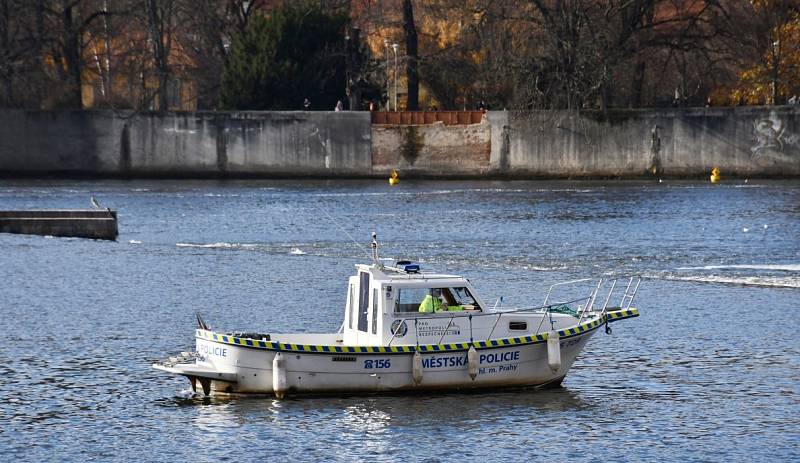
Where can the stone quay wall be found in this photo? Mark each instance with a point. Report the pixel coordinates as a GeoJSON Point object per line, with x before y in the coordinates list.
{"type": "Point", "coordinates": [742, 141]}
{"type": "Point", "coordinates": [681, 142]}
{"type": "Point", "coordinates": [185, 144]}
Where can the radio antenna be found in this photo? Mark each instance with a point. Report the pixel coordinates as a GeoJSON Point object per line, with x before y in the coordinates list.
{"type": "Point", "coordinates": [375, 248]}
{"type": "Point", "coordinates": [342, 229]}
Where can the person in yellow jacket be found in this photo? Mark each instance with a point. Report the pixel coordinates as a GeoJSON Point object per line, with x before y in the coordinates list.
{"type": "Point", "coordinates": [433, 303]}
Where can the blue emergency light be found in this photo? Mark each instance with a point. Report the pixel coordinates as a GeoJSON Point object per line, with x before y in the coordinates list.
{"type": "Point", "coordinates": [411, 268]}
{"type": "Point", "coordinates": [407, 266]}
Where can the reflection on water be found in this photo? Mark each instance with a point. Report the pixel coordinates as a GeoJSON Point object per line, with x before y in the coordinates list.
{"type": "Point", "coordinates": [377, 425]}
{"type": "Point", "coordinates": [708, 372]}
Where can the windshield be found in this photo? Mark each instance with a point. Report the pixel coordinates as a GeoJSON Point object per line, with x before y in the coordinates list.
{"type": "Point", "coordinates": [444, 299]}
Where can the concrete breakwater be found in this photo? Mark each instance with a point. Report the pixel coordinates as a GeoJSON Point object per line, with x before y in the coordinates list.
{"type": "Point", "coordinates": [742, 141]}
{"type": "Point", "coordinates": [82, 223]}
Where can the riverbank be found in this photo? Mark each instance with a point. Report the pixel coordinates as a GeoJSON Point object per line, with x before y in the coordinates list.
{"type": "Point", "coordinates": [681, 142]}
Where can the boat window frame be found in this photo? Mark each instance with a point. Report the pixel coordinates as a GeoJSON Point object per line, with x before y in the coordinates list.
{"type": "Point", "coordinates": [352, 307]}
{"type": "Point", "coordinates": [517, 325]}
{"type": "Point", "coordinates": [429, 290]}
{"type": "Point", "coordinates": [365, 278]}
{"type": "Point", "coordinates": [374, 308]}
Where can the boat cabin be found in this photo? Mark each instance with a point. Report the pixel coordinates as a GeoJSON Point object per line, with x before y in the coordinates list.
{"type": "Point", "coordinates": [401, 305]}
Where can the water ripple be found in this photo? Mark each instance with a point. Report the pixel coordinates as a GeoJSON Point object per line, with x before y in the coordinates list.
{"type": "Point", "coordinates": [709, 372]}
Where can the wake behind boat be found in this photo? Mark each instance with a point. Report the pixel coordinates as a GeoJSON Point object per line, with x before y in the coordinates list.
{"type": "Point", "coordinates": [405, 329]}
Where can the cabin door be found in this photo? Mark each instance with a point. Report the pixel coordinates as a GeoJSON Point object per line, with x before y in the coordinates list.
{"type": "Point", "coordinates": [363, 301]}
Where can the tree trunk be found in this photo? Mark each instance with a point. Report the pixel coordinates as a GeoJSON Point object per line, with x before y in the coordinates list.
{"type": "Point", "coordinates": [412, 71]}
{"type": "Point", "coordinates": [38, 53]}
{"type": "Point", "coordinates": [353, 66]}
{"type": "Point", "coordinates": [638, 84]}
{"type": "Point", "coordinates": [5, 68]}
{"type": "Point", "coordinates": [158, 34]}
{"type": "Point", "coordinates": [72, 58]}
{"type": "Point", "coordinates": [775, 77]}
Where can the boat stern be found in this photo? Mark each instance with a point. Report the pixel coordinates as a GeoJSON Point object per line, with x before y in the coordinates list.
{"type": "Point", "coordinates": [196, 370]}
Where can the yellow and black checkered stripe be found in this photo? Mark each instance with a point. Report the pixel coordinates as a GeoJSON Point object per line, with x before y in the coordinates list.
{"type": "Point", "coordinates": [428, 348]}
{"type": "Point", "coordinates": [618, 315]}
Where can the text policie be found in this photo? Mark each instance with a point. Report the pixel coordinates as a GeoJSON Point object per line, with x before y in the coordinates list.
{"type": "Point", "coordinates": [461, 360]}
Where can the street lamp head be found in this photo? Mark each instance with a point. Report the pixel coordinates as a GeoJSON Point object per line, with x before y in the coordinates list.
{"type": "Point", "coordinates": [386, 43]}
{"type": "Point", "coordinates": [395, 47]}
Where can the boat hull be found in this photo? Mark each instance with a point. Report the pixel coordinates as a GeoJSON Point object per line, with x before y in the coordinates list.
{"type": "Point", "coordinates": [247, 366]}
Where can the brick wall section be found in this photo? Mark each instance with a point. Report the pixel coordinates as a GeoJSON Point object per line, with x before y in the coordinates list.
{"type": "Point", "coordinates": [432, 150]}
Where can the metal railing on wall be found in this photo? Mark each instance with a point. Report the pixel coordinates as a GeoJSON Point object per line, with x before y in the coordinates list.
{"type": "Point", "coordinates": [427, 117]}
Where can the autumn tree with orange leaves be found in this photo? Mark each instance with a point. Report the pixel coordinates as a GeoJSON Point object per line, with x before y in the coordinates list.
{"type": "Point", "coordinates": [515, 54]}
{"type": "Point", "coordinates": [769, 52]}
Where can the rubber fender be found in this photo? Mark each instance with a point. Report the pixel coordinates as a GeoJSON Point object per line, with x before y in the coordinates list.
{"type": "Point", "coordinates": [416, 368]}
{"type": "Point", "coordinates": [279, 375]}
{"type": "Point", "coordinates": [553, 351]}
{"type": "Point", "coordinates": [472, 362]}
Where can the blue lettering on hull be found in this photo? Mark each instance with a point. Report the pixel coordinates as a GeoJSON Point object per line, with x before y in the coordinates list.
{"type": "Point", "coordinates": [499, 357]}
{"type": "Point", "coordinates": [445, 362]}
{"type": "Point", "coordinates": [461, 360]}
{"type": "Point", "coordinates": [216, 351]}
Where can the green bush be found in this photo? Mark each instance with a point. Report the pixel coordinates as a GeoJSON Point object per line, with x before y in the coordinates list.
{"type": "Point", "coordinates": [293, 53]}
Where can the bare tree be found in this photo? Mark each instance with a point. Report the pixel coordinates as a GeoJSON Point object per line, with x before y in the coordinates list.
{"type": "Point", "coordinates": [412, 75]}
{"type": "Point", "coordinates": [161, 22]}
{"type": "Point", "coordinates": [204, 39]}
{"type": "Point", "coordinates": [13, 48]}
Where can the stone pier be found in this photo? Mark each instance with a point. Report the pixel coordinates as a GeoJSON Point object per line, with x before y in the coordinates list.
{"type": "Point", "coordinates": [100, 224]}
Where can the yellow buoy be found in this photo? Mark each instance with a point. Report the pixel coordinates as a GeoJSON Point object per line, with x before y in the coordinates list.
{"type": "Point", "coordinates": [394, 179]}
{"type": "Point", "coordinates": [715, 177]}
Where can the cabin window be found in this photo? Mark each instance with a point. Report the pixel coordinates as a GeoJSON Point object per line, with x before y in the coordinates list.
{"type": "Point", "coordinates": [375, 311]}
{"type": "Point", "coordinates": [461, 296]}
{"type": "Point", "coordinates": [443, 299]}
{"type": "Point", "coordinates": [363, 301]}
{"type": "Point", "coordinates": [352, 305]}
{"type": "Point", "coordinates": [409, 299]}
{"type": "Point", "coordinates": [518, 326]}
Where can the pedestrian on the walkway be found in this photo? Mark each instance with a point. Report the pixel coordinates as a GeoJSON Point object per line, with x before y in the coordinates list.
{"type": "Point", "coordinates": [306, 105]}
{"type": "Point", "coordinates": [339, 106]}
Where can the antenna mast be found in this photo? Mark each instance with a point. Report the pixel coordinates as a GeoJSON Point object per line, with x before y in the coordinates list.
{"type": "Point", "coordinates": [375, 248]}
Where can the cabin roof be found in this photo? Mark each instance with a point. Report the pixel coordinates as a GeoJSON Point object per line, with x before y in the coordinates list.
{"type": "Point", "coordinates": [394, 274]}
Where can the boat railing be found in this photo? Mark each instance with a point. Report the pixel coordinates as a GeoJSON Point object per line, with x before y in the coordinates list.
{"type": "Point", "coordinates": [563, 283]}
{"type": "Point", "coordinates": [626, 301]}
{"type": "Point", "coordinates": [510, 311]}
{"type": "Point", "coordinates": [628, 295]}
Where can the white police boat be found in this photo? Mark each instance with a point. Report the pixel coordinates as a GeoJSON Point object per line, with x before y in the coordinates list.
{"type": "Point", "coordinates": [407, 330]}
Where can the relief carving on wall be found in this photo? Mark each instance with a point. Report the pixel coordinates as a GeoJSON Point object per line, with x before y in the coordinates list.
{"type": "Point", "coordinates": [773, 142]}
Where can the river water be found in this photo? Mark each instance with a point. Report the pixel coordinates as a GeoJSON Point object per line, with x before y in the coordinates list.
{"type": "Point", "coordinates": [710, 371]}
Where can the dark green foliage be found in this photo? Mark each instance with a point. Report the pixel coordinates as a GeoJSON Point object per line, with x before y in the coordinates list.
{"type": "Point", "coordinates": [295, 52]}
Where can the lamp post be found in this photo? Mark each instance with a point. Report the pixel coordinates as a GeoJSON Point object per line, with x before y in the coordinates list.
{"type": "Point", "coordinates": [776, 62]}
{"type": "Point", "coordinates": [386, 45]}
{"type": "Point", "coordinates": [395, 47]}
